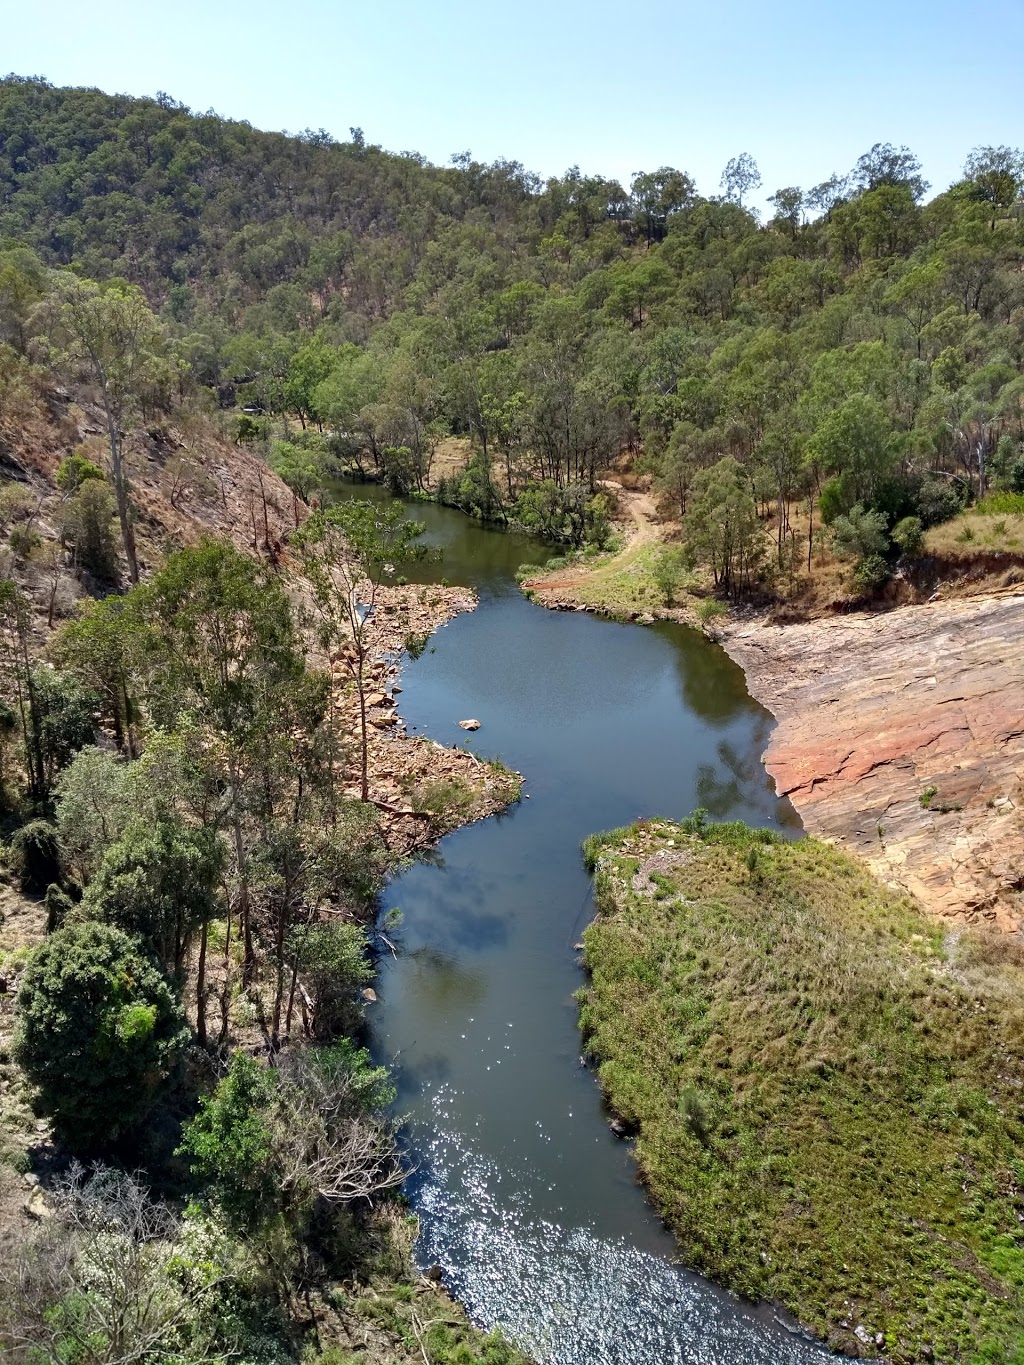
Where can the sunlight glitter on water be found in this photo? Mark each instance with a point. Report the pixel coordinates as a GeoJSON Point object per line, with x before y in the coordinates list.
{"type": "Point", "coordinates": [566, 1295]}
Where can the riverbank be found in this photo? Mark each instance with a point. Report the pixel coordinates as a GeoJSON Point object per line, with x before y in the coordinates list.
{"type": "Point", "coordinates": [899, 730]}
{"type": "Point", "coordinates": [421, 789]}
{"type": "Point", "coordinates": [825, 1085]}
{"type": "Point", "coordinates": [622, 583]}
{"type": "Point", "coordinates": [386, 1312]}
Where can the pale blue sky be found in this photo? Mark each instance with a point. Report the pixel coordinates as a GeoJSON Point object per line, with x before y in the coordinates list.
{"type": "Point", "coordinates": [805, 87]}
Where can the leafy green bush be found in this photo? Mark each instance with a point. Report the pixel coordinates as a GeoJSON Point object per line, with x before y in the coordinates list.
{"type": "Point", "coordinates": [939, 500]}
{"type": "Point", "coordinates": [1001, 504]}
{"type": "Point", "coordinates": [158, 883]}
{"type": "Point", "coordinates": [99, 1032]}
{"type": "Point", "coordinates": [710, 608]}
{"type": "Point", "coordinates": [230, 1145]}
{"type": "Point", "coordinates": [87, 524]}
{"type": "Point", "coordinates": [860, 533]}
{"type": "Point", "coordinates": [908, 535]}
{"type": "Point", "coordinates": [871, 573]}
{"type": "Point", "coordinates": [66, 714]}
{"type": "Point", "coordinates": [334, 964]}
{"type": "Point", "coordinates": [667, 571]}
{"type": "Point", "coordinates": [276, 1143]}
{"type": "Point", "coordinates": [76, 470]}
{"type": "Point", "coordinates": [36, 855]}
{"type": "Point", "coordinates": [23, 540]}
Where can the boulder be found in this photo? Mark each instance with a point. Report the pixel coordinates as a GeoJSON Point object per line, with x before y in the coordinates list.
{"type": "Point", "coordinates": [469, 725]}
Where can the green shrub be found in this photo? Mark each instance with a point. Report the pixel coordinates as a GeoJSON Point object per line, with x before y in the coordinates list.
{"type": "Point", "coordinates": [710, 608]}
{"type": "Point", "coordinates": [871, 573]}
{"type": "Point", "coordinates": [99, 1032]}
{"type": "Point", "coordinates": [278, 1143]}
{"type": "Point", "coordinates": [23, 540]}
{"type": "Point", "coordinates": [667, 571]}
{"type": "Point", "coordinates": [1001, 504]}
{"type": "Point", "coordinates": [67, 715]}
{"type": "Point", "coordinates": [36, 856]}
{"type": "Point", "coordinates": [157, 882]}
{"type": "Point", "coordinates": [908, 535]}
{"type": "Point", "coordinates": [76, 470]}
{"type": "Point", "coordinates": [939, 500]}
{"type": "Point", "coordinates": [87, 524]}
{"type": "Point", "coordinates": [860, 533]}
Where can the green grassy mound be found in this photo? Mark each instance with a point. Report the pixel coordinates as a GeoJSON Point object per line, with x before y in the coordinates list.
{"type": "Point", "coordinates": [827, 1087]}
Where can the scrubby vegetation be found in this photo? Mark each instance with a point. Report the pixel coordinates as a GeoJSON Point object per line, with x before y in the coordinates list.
{"type": "Point", "coordinates": [825, 1085]}
{"type": "Point", "coordinates": [176, 791]}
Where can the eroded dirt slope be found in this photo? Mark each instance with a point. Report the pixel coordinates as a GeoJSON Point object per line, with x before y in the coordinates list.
{"type": "Point", "coordinates": [902, 737]}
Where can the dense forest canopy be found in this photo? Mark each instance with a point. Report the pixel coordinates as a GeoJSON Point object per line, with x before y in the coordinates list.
{"type": "Point", "coordinates": [861, 346]}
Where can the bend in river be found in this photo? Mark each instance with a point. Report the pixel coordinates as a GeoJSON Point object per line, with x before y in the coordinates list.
{"type": "Point", "coordinates": [527, 1201]}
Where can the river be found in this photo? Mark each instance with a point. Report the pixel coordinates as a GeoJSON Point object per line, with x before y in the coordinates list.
{"type": "Point", "coordinates": [527, 1201]}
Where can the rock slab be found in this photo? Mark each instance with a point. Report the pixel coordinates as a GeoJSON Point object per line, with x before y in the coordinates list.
{"type": "Point", "coordinates": [901, 736]}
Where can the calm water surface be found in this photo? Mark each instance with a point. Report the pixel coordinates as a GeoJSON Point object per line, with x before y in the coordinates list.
{"type": "Point", "coordinates": [527, 1201]}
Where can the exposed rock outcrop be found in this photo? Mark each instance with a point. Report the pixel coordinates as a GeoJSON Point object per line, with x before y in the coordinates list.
{"type": "Point", "coordinates": [902, 737]}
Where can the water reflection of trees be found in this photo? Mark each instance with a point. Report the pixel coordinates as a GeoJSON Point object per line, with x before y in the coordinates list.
{"type": "Point", "coordinates": [713, 686]}
{"type": "Point", "coordinates": [719, 797]}
{"type": "Point", "coordinates": [726, 789]}
{"type": "Point", "coordinates": [740, 784]}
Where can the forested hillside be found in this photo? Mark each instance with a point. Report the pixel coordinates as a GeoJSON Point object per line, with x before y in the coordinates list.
{"type": "Point", "coordinates": [203, 786]}
{"type": "Point", "coordinates": [862, 348]}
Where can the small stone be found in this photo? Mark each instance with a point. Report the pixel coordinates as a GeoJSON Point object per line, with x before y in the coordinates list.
{"type": "Point", "coordinates": [862, 1334]}
{"type": "Point", "coordinates": [617, 1127]}
{"type": "Point", "coordinates": [469, 725]}
{"type": "Point", "coordinates": [369, 995]}
{"type": "Point", "coordinates": [435, 1274]}
{"type": "Point", "coordinates": [578, 947]}
{"type": "Point", "coordinates": [36, 1206]}
{"type": "Point", "coordinates": [30, 1179]}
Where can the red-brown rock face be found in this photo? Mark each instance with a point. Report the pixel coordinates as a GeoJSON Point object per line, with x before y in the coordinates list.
{"type": "Point", "coordinates": [876, 711]}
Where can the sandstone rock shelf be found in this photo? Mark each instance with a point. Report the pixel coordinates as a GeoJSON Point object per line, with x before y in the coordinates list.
{"type": "Point", "coordinates": [901, 736]}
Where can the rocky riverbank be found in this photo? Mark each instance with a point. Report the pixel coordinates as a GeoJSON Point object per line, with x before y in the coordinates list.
{"type": "Point", "coordinates": [421, 788]}
{"type": "Point", "coordinates": [901, 736]}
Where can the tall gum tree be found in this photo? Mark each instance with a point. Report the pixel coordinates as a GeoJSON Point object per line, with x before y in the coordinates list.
{"type": "Point", "coordinates": [110, 331]}
{"type": "Point", "coordinates": [347, 551]}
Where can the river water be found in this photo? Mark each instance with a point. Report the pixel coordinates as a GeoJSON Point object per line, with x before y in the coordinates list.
{"type": "Point", "coordinates": [527, 1201]}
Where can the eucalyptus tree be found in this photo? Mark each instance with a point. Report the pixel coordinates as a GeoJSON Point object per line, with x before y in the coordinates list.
{"type": "Point", "coordinates": [740, 176]}
{"type": "Point", "coordinates": [225, 657]}
{"type": "Point", "coordinates": [110, 330]}
{"type": "Point", "coordinates": [347, 551]}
